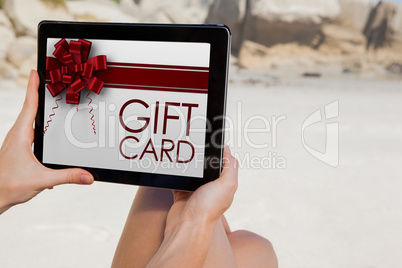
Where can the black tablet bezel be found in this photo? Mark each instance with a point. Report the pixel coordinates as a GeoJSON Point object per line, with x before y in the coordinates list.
{"type": "Point", "coordinates": [217, 35]}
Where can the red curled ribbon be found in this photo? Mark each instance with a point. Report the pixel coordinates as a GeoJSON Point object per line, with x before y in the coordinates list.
{"type": "Point", "coordinates": [72, 70]}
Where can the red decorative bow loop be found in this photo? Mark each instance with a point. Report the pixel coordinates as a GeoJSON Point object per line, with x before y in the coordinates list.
{"type": "Point", "coordinates": [71, 69]}
{"type": "Point", "coordinates": [99, 62]}
{"type": "Point", "coordinates": [95, 85]}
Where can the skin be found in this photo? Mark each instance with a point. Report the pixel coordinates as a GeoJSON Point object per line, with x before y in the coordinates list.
{"type": "Point", "coordinates": [192, 220]}
{"type": "Point", "coordinates": [164, 228]}
{"type": "Point", "coordinates": [182, 229]}
{"type": "Point", "coordinates": [22, 177]}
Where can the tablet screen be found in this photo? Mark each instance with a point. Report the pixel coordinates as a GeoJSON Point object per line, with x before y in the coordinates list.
{"type": "Point", "coordinates": [146, 110]}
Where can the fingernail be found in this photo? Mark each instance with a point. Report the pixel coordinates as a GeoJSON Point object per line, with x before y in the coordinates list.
{"type": "Point", "coordinates": [85, 179]}
{"type": "Point", "coordinates": [30, 73]}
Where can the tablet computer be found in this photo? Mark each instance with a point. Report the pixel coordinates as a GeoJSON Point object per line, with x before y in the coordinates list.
{"type": "Point", "coordinates": [139, 104]}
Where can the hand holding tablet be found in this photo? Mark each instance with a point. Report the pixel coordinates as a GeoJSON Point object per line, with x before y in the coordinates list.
{"type": "Point", "coordinates": [22, 177]}
{"type": "Point", "coordinates": [133, 103]}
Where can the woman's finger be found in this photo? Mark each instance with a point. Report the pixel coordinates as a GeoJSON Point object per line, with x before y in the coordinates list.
{"type": "Point", "coordinates": [27, 116]}
{"type": "Point", "coordinates": [229, 175]}
{"type": "Point", "coordinates": [66, 176]}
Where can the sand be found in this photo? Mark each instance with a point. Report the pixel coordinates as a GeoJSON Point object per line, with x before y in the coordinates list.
{"type": "Point", "coordinates": [314, 214]}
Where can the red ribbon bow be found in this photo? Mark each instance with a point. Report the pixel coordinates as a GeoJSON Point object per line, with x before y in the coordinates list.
{"type": "Point", "coordinates": [72, 70]}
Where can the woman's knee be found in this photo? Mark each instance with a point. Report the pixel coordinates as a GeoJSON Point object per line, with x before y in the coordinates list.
{"type": "Point", "coordinates": [252, 250]}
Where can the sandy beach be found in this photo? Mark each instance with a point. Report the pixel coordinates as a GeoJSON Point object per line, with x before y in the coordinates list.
{"type": "Point", "coordinates": [314, 214]}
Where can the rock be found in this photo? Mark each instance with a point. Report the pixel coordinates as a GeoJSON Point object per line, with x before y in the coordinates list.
{"type": "Point", "coordinates": [379, 27]}
{"type": "Point", "coordinates": [154, 11]}
{"type": "Point", "coordinates": [158, 17]}
{"type": "Point", "coordinates": [25, 16]}
{"type": "Point", "coordinates": [271, 22]}
{"type": "Point", "coordinates": [255, 56]}
{"type": "Point", "coordinates": [187, 15]}
{"type": "Point", "coordinates": [396, 26]}
{"type": "Point", "coordinates": [343, 40]}
{"type": "Point", "coordinates": [98, 11]}
{"type": "Point", "coordinates": [355, 65]}
{"type": "Point", "coordinates": [22, 48]}
{"type": "Point", "coordinates": [395, 68]}
{"type": "Point", "coordinates": [354, 13]}
{"type": "Point", "coordinates": [130, 8]}
{"type": "Point", "coordinates": [25, 69]}
{"type": "Point", "coordinates": [233, 60]}
{"type": "Point", "coordinates": [295, 55]}
{"type": "Point", "coordinates": [381, 23]}
{"type": "Point", "coordinates": [397, 22]}
{"type": "Point", "coordinates": [106, 2]}
{"type": "Point", "coordinates": [232, 13]}
{"type": "Point", "coordinates": [290, 11]}
{"type": "Point", "coordinates": [312, 74]}
{"type": "Point", "coordinates": [4, 21]}
{"type": "Point", "coordinates": [173, 11]}
{"type": "Point", "coordinates": [7, 70]}
{"type": "Point", "coordinates": [385, 56]}
{"type": "Point", "coordinates": [7, 36]}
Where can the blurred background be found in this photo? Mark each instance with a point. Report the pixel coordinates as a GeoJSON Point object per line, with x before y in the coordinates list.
{"type": "Point", "coordinates": [290, 58]}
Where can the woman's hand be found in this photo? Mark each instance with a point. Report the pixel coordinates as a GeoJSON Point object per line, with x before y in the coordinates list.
{"type": "Point", "coordinates": [21, 175]}
{"type": "Point", "coordinates": [192, 219]}
{"type": "Point", "coordinates": [210, 201]}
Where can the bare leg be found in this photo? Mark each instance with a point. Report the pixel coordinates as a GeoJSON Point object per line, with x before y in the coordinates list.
{"type": "Point", "coordinates": [145, 225]}
{"type": "Point", "coordinates": [220, 253]}
{"type": "Point", "coordinates": [252, 250]}
{"type": "Point", "coordinates": [143, 233]}
{"type": "Point", "coordinates": [225, 225]}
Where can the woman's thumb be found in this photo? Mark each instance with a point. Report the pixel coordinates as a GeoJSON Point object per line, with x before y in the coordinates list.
{"type": "Point", "coordinates": [68, 176]}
